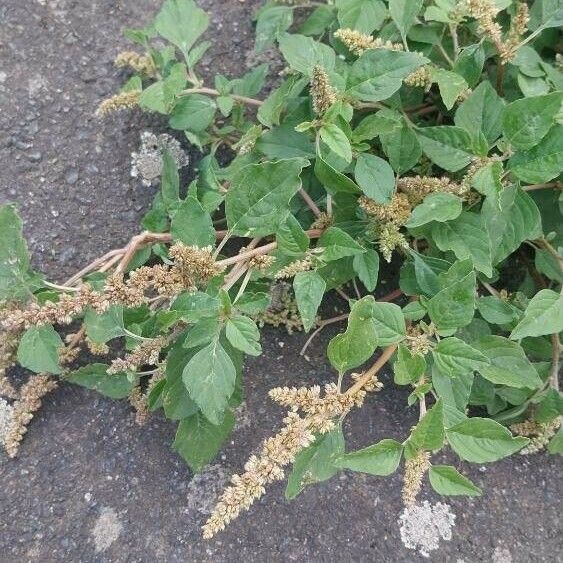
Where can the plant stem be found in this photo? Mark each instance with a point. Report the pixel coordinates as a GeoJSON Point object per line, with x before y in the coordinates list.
{"type": "Point", "coordinates": [212, 92]}
{"type": "Point", "coordinates": [380, 362]}
{"type": "Point", "coordinates": [444, 54]}
{"type": "Point", "coordinates": [309, 201]}
{"type": "Point", "coordinates": [500, 78]}
{"type": "Point", "coordinates": [556, 185]}
{"type": "Point", "coordinates": [243, 285]}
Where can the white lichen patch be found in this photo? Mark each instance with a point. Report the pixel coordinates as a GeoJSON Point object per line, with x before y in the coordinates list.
{"type": "Point", "coordinates": [205, 487]}
{"type": "Point", "coordinates": [147, 163]}
{"type": "Point", "coordinates": [424, 525]}
{"type": "Point", "coordinates": [107, 529]}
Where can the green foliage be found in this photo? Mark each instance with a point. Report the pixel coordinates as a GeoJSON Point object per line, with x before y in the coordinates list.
{"type": "Point", "coordinates": [453, 172]}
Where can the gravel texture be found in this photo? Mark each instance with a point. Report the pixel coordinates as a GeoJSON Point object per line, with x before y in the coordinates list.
{"type": "Point", "coordinates": [89, 485]}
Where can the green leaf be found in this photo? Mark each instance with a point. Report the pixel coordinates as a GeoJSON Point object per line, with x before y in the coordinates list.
{"type": "Point", "coordinates": [482, 440]}
{"type": "Point", "coordinates": [362, 15]}
{"type": "Point", "coordinates": [446, 480]}
{"type": "Point", "coordinates": [380, 459]}
{"type": "Point", "coordinates": [527, 121]}
{"type": "Point", "coordinates": [470, 63]}
{"type": "Point", "coordinates": [176, 400]}
{"type": "Point", "coordinates": [451, 85]}
{"type": "Point", "coordinates": [353, 347]}
{"type": "Point", "coordinates": [243, 334]}
{"type": "Point", "coordinates": [318, 21]}
{"type": "Point", "coordinates": [508, 363]}
{"type": "Point", "coordinates": [545, 13]}
{"type": "Point", "coordinates": [105, 326]}
{"type": "Point", "coordinates": [467, 237]}
{"type": "Point", "coordinates": [271, 21]}
{"type": "Point", "coordinates": [454, 306]}
{"type": "Point", "coordinates": [414, 311]}
{"type": "Point", "coordinates": [170, 180]}
{"type": "Point", "coordinates": [404, 13]}
{"type": "Point", "coordinates": [556, 444]}
{"type": "Point", "coordinates": [259, 195]}
{"type": "Point", "coordinates": [447, 146]}
{"type": "Point", "coordinates": [182, 23]}
{"type": "Point", "coordinates": [285, 142]}
{"type": "Point", "coordinates": [427, 270]}
{"type": "Point", "coordinates": [366, 266]}
{"type": "Point", "coordinates": [454, 357]}
{"type": "Point", "coordinates": [309, 288]}
{"type": "Point", "coordinates": [455, 392]}
{"type": "Point", "coordinates": [542, 162]}
{"type": "Point", "coordinates": [331, 179]}
{"type": "Point", "coordinates": [38, 350]}
{"type": "Point", "coordinates": [304, 53]}
{"type": "Point", "coordinates": [374, 124]}
{"type": "Point", "coordinates": [198, 440]}
{"type": "Point", "coordinates": [17, 279]}
{"type": "Point", "coordinates": [518, 220]}
{"type": "Point", "coordinates": [547, 264]}
{"type": "Point", "coordinates": [210, 377]}
{"type": "Point", "coordinates": [202, 332]}
{"type": "Point", "coordinates": [408, 368]}
{"type": "Point", "coordinates": [402, 148]}
{"type": "Point", "coordinates": [94, 376]}
{"type": "Point", "coordinates": [160, 95]}
{"type": "Point", "coordinates": [439, 207]}
{"type": "Point", "coordinates": [389, 323]}
{"type": "Point", "coordinates": [497, 311]}
{"type": "Point", "coordinates": [336, 141]}
{"type": "Point", "coordinates": [192, 225]}
{"type": "Point", "coordinates": [316, 462]}
{"type": "Point", "coordinates": [375, 177]}
{"type": "Point", "coordinates": [429, 433]}
{"type": "Point", "coordinates": [550, 407]}
{"type": "Point", "coordinates": [338, 244]}
{"type": "Point", "coordinates": [194, 113]}
{"type": "Point", "coordinates": [195, 306]}
{"type": "Point", "coordinates": [379, 73]}
{"type": "Point", "coordinates": [481, 112]}
{"type": "Point", "coordinates": [291, 237]}
{"type": "Point", "coordinates": [270, 111]}
{"type": "Point", "coordinates": [544, 315]}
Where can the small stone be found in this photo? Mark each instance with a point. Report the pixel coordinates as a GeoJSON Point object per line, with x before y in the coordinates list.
{"type": "Point", "coordinates": [34, 156]}
{"type": "Point", "coordinates": [71, 177]}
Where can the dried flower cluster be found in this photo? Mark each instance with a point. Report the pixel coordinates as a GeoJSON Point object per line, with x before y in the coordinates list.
{"type": "Point", "coordinates": [283, 310]}
{"type": "Point", "coordinates": [397, 211]}
{"type": "Point", "coordinates": [390, 239]}
{"type": "Point", "coordinates": [192, 267]}
{"type": "Point", "coordinates": [28, 403]}
{"type": "Point", "coordinates": [292, 269]}
{"type": "Point", "coordinates": [418, 342]}
{"type": "Point", "coordinates": [146, 353]}
{"type": "Point", "coordinates": [415, 470]}
{"type": "Point", "coordinates": [485, 12]}
{"type": "Point", "coordinates": [137, 62]}
{"type": "Point", "coordinates": [540, 433]}
{"type": "Point", "coordinates": [421, 77]}
{"type": "Point", "coordinates": [358, 42]}
{"type": "Point", "coordinates": [416, 188]}
{"type": "Point", "coordinates": [280, 450]}
{"type": "Point", "coordinates": [323, 95]}
{"type": "Point", "coordinates": [118, 102]}
{"type": "Point", "coordinates": [424, 525]}
{"type": "Point", "coordinates": [148, 161]}
{"type": "Point", "coordinates": [8, 347]}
